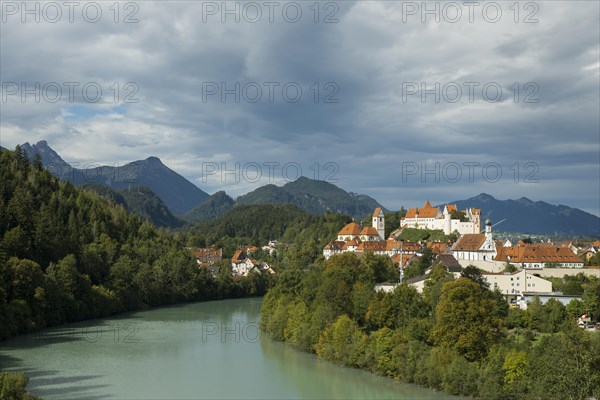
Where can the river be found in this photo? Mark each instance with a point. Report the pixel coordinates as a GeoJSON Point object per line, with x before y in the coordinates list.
{"type": "Point", "coordinates": [209, 350]}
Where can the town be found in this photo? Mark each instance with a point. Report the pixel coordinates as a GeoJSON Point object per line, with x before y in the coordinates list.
{"type": "Point", "coordinates": [517, 270]}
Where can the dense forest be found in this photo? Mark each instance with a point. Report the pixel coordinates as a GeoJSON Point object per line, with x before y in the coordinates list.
{"type": "Point", "coordinates": [68, 254]}
{"type": "Point", "coordinates": [141, 201]}
{"type": "Point", "coordinates": [457, 336]}
{"type": "Point", "coordinates": [304, 235]}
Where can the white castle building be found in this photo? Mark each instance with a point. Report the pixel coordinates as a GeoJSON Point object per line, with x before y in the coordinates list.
{"type": "Point", "coordinates": [433, 218]}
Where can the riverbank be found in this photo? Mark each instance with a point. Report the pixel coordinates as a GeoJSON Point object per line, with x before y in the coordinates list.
{"type": "Point", "coordinates": [457, 336]}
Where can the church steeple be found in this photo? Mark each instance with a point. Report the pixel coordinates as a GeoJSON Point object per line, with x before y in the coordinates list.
{"type": "Point", "coordinates": [488, 230]}
{"type": "Point", "coordinates": [379, 222]}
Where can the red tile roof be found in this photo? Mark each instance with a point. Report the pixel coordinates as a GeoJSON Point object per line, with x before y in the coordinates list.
{"type": "Point", "coordinates": [335, 245]}
{"type": "Point", "coordinates": [369, 231]}
{"type": "Point", "coordinates": [469, 242]}
{"type": "Point", "coordinates": [437, 247]}
{"type": "Point", "coordinates": [426, 212]}
{"type": "Point", "coordinates": [351, 229]}
{"type": "Point", "coordinates": [372, 246]}
{"type": "Point", "coordinates": [537, 253]}
{"type": "Point", "coordinates": [238, 256]}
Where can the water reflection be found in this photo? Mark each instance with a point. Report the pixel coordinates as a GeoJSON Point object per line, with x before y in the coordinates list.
{"type": "Point", "coordinates": [315, 379]}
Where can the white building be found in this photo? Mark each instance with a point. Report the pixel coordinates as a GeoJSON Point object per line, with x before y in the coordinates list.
{"type": "Point", "coordinates": [476, 247]}
{"type": "Point", "coordinates": [517, 282]}
{"type": "Point", "coordinates": [512, 285]}
{"type": "Point", "coordinates": [433, 218]}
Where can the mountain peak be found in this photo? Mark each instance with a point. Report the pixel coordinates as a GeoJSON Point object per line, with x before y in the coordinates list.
{"type": "Point", "coordinates": [484, 197]}
{"type": "Point", "coordinates": [50, 158]}
{"type": "Point", "coordinates": [177, 193]}
{"type": "Point", "coordinates": [154, 160]}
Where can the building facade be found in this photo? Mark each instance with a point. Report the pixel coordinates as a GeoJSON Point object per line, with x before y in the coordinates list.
{"type": "Point", "coordinates": [476, 247]}
{"type": "Point", "coordinates": [433, 218]}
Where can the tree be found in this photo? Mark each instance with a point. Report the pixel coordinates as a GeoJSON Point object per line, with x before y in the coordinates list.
{"type": "Point", "coordinates": [473, 273]}
{"type": "Point", "coordinates": [402, 212]}
{"type": "Point", "coordinates": [460, 215]}
{"type": "Point", "coordinates": [575, 309]}
{"type": "Point", "coordinates": [341, 341]}
{"type": "Point", "coordinates": [433, 286]}
{"type": "Point", "coordinates": [508, 267]}
{"type": "Point", "coordinates": [465, 319]}
{"type": "Point", "coordinates": [591, 298]}
{"type": "Point", "coordinates": [12, 386]}
{"type": "Point", "coordinates": [396, 309]}
{"type": "Point", "coordinates": [375, 268]}
{"type": "Point", "coordinates": [565, 366]}
{"type": "Point", "coordinates": [515, 366]}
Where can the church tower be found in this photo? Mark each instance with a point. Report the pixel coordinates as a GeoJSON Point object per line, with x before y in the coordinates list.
{"type": "Point", "coordinates": [488, 231]}
{"type": "Point", "coordinates": [379, 222]}
{"type": "Point", "coordinates": [447, 221]}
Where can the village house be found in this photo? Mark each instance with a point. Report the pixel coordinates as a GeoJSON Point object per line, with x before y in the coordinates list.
{"type": "Point", "coordinates": [242, 265]}
{"type": "Point", "coordinates": [429, 217]}
{"type": "Point", "coordinates": [207, 256]}
{"type": "Point", "coordinates": [516, 283]}
{"type": "Point", "coordinates": [539, 256]}
{"type": "Point", "coordinates": [271, 246]}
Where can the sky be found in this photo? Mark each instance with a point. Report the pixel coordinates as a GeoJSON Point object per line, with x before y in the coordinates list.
{"type": "Point", "coordinates": [402, 101]}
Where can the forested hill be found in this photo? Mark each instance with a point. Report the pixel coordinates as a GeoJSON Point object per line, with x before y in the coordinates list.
{"type": "Point", "coordinates": [305, 233]}
{"type": "Point", "coordinates": [140, 201]}
{"type": "Point", "coordinates": [314, 196]}
{"type": "Point", "coordinates": [68, 254]}
{"type": "Point", "coordinates": [211, 208]}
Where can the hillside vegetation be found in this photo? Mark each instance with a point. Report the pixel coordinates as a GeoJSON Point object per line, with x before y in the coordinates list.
{"type": "Point", "coordinates": [457, 336]}
{"type": "Point", "coordinates": [68, 254]}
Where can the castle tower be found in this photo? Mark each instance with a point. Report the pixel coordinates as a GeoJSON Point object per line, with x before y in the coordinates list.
{"type": "Point", "coordinates": [379, 222]}
{"type": "Point", "coordinates": [447, 222]}
{"type": "Point", "coordinates": [475, 217]}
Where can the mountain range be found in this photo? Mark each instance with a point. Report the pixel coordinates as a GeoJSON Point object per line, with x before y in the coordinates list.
{"type": "Point", "coordinates": [526, 216]}
{"type": "Point", "coordinates": [315, 197]}
{"type": "Point", "coordinates": [176, 197]}
{"type": "Point", "coordinates": [179, 194]}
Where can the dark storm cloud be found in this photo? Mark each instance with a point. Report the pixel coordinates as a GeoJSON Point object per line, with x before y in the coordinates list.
{"type": "Point", "coordinates": [171, 55]}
